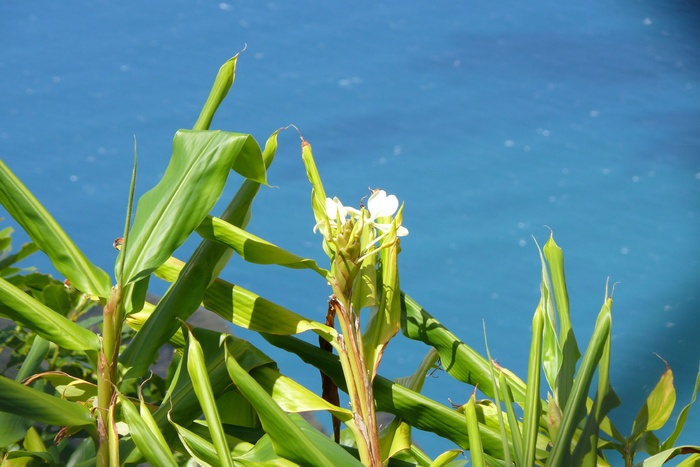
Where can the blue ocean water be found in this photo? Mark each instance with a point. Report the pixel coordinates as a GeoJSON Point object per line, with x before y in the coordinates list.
{"type": "Point", "coordinates": [488, 120]}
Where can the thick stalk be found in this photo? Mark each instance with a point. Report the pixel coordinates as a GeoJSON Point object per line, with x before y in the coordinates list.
{"type": "Point", "coordinates": [358, 381]}
{"type": "Point", "coordinates": [113, 317]}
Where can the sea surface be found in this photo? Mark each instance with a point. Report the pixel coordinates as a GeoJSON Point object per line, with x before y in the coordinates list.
{"type": "Point", "coordinates": [492, 121]}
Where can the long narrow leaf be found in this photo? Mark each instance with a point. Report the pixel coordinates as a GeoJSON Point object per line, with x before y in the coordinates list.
{"type": "Point", "coordinates": [181, 405]}
{"type": "Point", "coordinates": [475, 448]}
{"type": "Point", "coordinates": [186, 294]}
{"type": "Point", "coordinates": [497, 397]}
{"type": "Point", "coordinates": [513, 423]}
{"type": "Point", "coordinates": [293, 397]}
{"type": "Point", "coordinates": [222, 84]}
{"type": "Point", "coordinates": [13, 427]}
{"type": "Point", "coordinates": [25, 251]}
{"type": "Point", "coordinates": [167, 214]}
{"type": "Point", "coordinates": [397, 435]}
{"type": "Point", "coordinates": [551, 349]}
{"type": "Point", "coordinates": [460, 361]}
{"type": "Point", "coordinates": [146, 434]}
{"type": "Point", "coordinates": [196, 367]}
{"type": "Point", "coordinates": [318, 193]}
{"type": "Point", "coordinates": [22, 400]}
{"type": "Point", "coordinates": [417, 410]}
{"type": "Point", "coordinates": [533, 407]}
{"type": "Point", "coordinates": [288, 440]}
{"type": "Point", "coordinates": [585, 452]}
{"type": "Point", "coordinates": [199, 448]}
{"type": "Point", "coordinates": [50, 237]}
{"type": "Point", "coordinates": [250, 311]}
{"type": "Point", "coordinates": [49, 324]}
{"type": "Point", "coordinates": [567, 340]}
{"type": "Point", "coordinates": [263, 453]}
{"type": "Point", "coordinates": [385, 322]}
{"type": "Point", "coordinates": [660, 459]}
{"type": "Point", "coordinates": [576, 406]}
{"type": "Point", "coordinates": [253, 249]}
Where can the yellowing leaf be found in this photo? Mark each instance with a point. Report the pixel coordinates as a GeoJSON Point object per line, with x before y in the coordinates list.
{"type": "Point", "coordinates": [658, 406]}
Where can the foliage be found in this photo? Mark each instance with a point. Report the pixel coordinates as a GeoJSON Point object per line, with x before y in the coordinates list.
{"type": "Point", "coordinates": [77, 388]}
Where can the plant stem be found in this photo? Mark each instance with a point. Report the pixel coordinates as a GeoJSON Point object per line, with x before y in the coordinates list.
{"type": "Point", "coordinates": [113, 316]}
{"type": "Point", "coordinates": [352, 359]}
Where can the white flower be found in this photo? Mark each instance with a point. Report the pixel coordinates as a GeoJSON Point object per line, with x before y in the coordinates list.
{"type": "Point", "coordinates": [381, 205]}
{"type": "Point", "coordinates": [336, 211]}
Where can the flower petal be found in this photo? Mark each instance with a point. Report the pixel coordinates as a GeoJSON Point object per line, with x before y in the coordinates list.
{"type": "Point", "coordinates": [382, 227]}
{"type": "Point", "coordinates": [401, 231]}
{"type": "Point", "coordinates": [381, 205]}
{"type": "Point", "coordinates": [335, 209]}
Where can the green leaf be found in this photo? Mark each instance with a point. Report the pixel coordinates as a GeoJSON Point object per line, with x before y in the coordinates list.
{"type": "Point", "coordinates": [186, 294]}
{"type": "Point", "coordinates": [253, 249]}
{"type": "Point", "coordinates": [567, 340]}
{"type": "Point", "coordinates": [660, 459]}
{"type": "Point", "coordinates": [445, 459]}
{"type": "Point", "coordinates": [50, 237]}
{"type": "Point", "coordinates": [196, 367]}
{"type": "Point", "coordinates": [263, 453]}
{"type": "Point", "coordinates": [112, 435]}
{"type": "Point", "coordinates": [13, 427]}
{"type": "Point", "coordinates": [167, 214]}
{"type": "Point", "coordinates": [28, 458]}
{"type": "Point", "coordinates": [318, 193]}
{"type": "Point", "coordinates": [533, 406]}
{"type": "Point", "coordinates": [32, 442]}
{"type": "Point", "coordinates": [475, 448]}
{"type": "Point", "coordinates": [680, 423]}
{"type": "Point", "coordinates": [222, 84]}
{"type": "Point", "coordinates": [50, 325]}
{"type": "Point", "coordinates": [146, 433]}
{"type": "Point", "coordinates": [417, 410]}
{"type": "Point", "coordinates": [658, 406]}
{"type": "Point", "coordinates": [385, 321]}
{"type": "Point", "coordinates": [459, 360]}
{"type": "Point", "coordinates": [513, 423]}
{"type": "Point", "coordinates": [415, 381]}
{"type": "Point", "coordinates": [293, 397]}
{"type": "Point", "coordinates": [25, 250]}
{"type": "Point", "coordinates": [250, 311]}
{"type": "Point", "coordinates": [575, 409]}
{"type": "Point", "coordinates": [83, 453]}
{"type": "Point", "coordinates": [585, 452]}
{"type": "Point", "coordinates": [199, 448]}
{"type": "Point", "coordinates": [69, 387]}
{"type": "Point", "coordinates": [21, 400]}
{"type": "Point", "coordinates": [499, 413]}
{"type": "Point", "coordinates": [288, 440]}
{"type": "Point", "coordinates": [181, 404]}
{"type": "Point", "coordinates": [551, 349]}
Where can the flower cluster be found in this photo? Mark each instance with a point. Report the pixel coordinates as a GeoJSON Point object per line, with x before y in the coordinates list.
{"type": "Point", "coordinates": [379, 206]}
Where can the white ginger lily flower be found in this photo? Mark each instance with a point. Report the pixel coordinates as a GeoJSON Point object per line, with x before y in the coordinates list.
{"type": "Point", "coordinates": [381, 205]}
{"type": "Point", "coordinates": [335, 210]}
